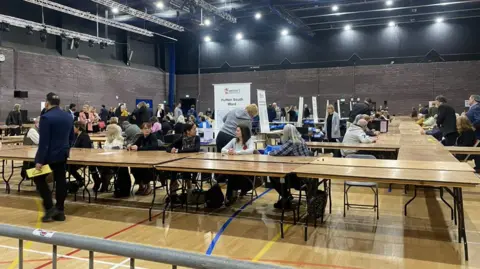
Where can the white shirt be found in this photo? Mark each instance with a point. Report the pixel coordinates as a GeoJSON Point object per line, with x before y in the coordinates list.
{"type": "Point", "coordinates": [239, 148]}
{"type": "Point", "coordinates": [33, 135]}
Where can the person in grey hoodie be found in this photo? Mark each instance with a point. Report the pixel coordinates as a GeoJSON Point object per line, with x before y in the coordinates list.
{"type": "Point", "coordinates": [132, 132]}
{"type": "Point", "coordinates": [355, 135]}
{"type": "Point", "coordinates": [235, 117]}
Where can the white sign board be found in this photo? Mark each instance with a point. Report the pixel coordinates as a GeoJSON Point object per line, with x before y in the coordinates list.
{"type": "Point", "coordinates": [42, 104]}
{"type": "Point", "coordinates": [466, 103]}
{"type": "Point", "coordinates": [262, 111]}
{"type": "Point", "coordinates": [300, 112]}
{"type": "Point", "coordinates": [228, 97]}
{"type": "Point", "coordinates": [315, 111]}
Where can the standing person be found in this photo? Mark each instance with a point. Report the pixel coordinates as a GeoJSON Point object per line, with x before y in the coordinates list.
{"type": "Point", "coordinates": [278, 111]}
{"type": "Point", "coordinates": [87, 117]}
{"type": "Point", "coordinates": [118, 110]}
{"type": "Point", "coordinates": [104, 114]}
{"type": "Point", "coordinates": [271, 113]}
{"type": "Point", "coordinates": [360, 108]}
{"type": "Point", "coordinates": [473, 115]}
{"type": "Point", "coordinates": [208, 113]}
{"type": "Point", "coordinates": [192, 112]}
{"type": "Point", "coordinates": [414, 114]}
{"type": "Point", "coordinates": [160, 112]}
{"type": "Point", "coordinates": [292, 114]}
{"type": "Point", "coordinates": [56, 136]}
{"type": "Point", "coordinates": [72, 109]}
{"type": "Point", "coordinates": [332, 128]}
{"type": "Point", "coordinates": [178, 111]}
{"type": "Point", "coordinates": [306, 112]}
{"type": "Point", "coordinates": [235, 117]}
{"type": "Point", "coordinates": [142, 114]}
{"type": "Point", "coordinates": [447, 121]}
{"type": "Point", "coordinates": [15, 118]}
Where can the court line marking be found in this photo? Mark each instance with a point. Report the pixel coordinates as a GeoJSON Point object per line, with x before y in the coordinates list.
{"type": "Point", "coordinates": [38, 225]}
{"type": "Point", "coordinates": [270, 244]}
{"type": "Point", "coordinates": [106, 237]}
{"type": "Point", "coordinates": [65, 256]}
{"type": "Point", "coordinates": [121, 264]}
{"type": "Point", "coordinates": [232, 217]}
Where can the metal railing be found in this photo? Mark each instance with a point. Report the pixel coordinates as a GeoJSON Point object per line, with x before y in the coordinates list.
{"type": "Point", "coordinates": [123, 249]}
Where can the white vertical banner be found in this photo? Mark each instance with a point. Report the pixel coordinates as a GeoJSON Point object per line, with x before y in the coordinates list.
{"type": "Point", "coordinates": [314, 108]}
{"type": "Point", "coordinates": [300, 112]}
{"type": "Point", "coordinates": [262, 111]}
{"type": "Point", "coordinates": [227, 97]}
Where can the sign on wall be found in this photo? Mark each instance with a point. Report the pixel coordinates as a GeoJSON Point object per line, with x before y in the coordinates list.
{"type": "Point", "coordinates": [300, 112]}
{"type": "Point", "coordinates": [227, 97]}
{"type": "Point", "coordinates": [262, 111]}
{"type": "Point", "coordinates": [314, 107]}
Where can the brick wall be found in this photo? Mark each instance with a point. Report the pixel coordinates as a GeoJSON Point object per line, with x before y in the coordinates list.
{"type": "Point", "coordinates": [403, 85]}
{"type": "Point", "coordinates": [75, 81]}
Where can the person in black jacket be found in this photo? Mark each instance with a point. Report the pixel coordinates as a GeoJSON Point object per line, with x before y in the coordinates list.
{"type": "Point", "coordinates": [15, 118]}
{"type": "Point", "coordinates": [360, 108]}
{"type": "Point", "coordinates": [143, 176]}
{"type": "Point", "coordinates": [446, 121]}
{"type": "Point", "coordinates": [188, 143]}
{"type": "Point", "coordinates": [466, 135]}
{"type": "Point", "coordinates": [82, 140]}
{"type": "Point", "coordinates": [142, 114]}
{"type": "Point", "coordinates": [166, 126]}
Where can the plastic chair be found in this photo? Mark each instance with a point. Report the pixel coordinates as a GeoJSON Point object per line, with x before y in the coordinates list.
{"type": "Point", "coordinates": [348, 184]}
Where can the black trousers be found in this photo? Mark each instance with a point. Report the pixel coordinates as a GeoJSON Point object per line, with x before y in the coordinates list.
{"type": "Point", "coordinates": [59, 170]}
{"type": "Point", "coordinates": [142, 175]}
{"type": "Point", "coordinates": [243, 183]}
{"type": "Point", "coordinates": [450, 139]}
{"type": "Point", "coordinates": [15, 131]}
{"type": "Point", "coordinates": [222, 140]}
{"type": "Point", "coordinates": [291, 181]}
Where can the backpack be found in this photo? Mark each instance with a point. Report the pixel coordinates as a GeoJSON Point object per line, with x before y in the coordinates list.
{"type": "Point", "coordinates": [317, 204]}
{"type": "Point", "coordinates": [214, 197]}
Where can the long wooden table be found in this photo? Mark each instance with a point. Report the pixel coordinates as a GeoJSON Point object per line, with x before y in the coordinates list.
{"type": "Point", "coordinates": [255, 158]}
{"type": "Point", "coordinates": [370, 147]}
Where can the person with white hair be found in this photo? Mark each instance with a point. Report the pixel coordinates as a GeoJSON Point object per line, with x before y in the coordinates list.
{"type": "Point", "coordinates": [292, 145]}
{"type": "Point", "coordinates": [178, 128]}
{"type": "Point", "coordinates": [355, 135]}
{"type": "Point", "coordinates": [32, 137]}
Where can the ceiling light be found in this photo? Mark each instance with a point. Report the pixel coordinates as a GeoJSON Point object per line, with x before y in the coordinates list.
{"type": "Point", "coordinates": [239, 36]}
{"type": "Point", "coordinates": [391, 24]}
{"type": "Point", "coordinates": [115, 10]}
{"type": "Point", "coordinates": [258, 15]}
{"type": "Point", "coordinates": [207, 39]}
{"type": "Point", "coordinates": [160, 5]}
{"type": "Point", "coordinates": [348, 27]}
{"type": "Point", "coordinates": [389, 3]}
{"type": "Point", "coordinates": [207, 22]}
{"type": "Point", "coordinates": [439, 19]}
{"type": "Point", "coordinates": [334, 8]}
{"type": "Point", "coordinates": [284, 32]}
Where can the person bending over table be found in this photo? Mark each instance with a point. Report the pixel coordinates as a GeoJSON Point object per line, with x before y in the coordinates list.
{"type": "Point", "coordinates": [143, 176]}
{"type": "Point", "coordinates": [114, 141]}
{"type": "Point", "coordinates": [466, 135]}
{"type": "Point", "coordinates": [355, 135]}
{"type": "Point", "coordinates": [240, 145]}
{"type": "Point", "coordinates": [132, 132]}
{"type": "Point", "coordinates": [189, 142]}
{"type": "Point", "coordinates": [235, 117]}
{"type": "Point", "coordinates": [292, 145]}
{"type": "Point", "coordinates": [446, 121]}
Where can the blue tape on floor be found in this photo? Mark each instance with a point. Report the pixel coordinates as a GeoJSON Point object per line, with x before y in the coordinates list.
{"type": "Point", "coordinates": [225, 225]}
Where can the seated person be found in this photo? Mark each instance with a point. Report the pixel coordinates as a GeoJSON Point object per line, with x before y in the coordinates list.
{"type": "Point", "coordinates": [293, 145]}
{"type": "Point", "coordinates": [32, 137]}
{"type": "Point", "coordinates": [430, 121]}
{"type": "Point", "coordinates": [421, 119]}
{"type": "Point", "coordinates": [114, 141]}
{"type": "Point", "coordinates": [466, 135]}
{"type": "Point", "coordinates": [132, 132]}
{"type": "Point", "coordinates": [82, 140]}
{"type": "Point", "coordinates": [204, 123]}
{"type": "Point", "coordinates": [355, 135]}
{"type": "Point", "coordinates": [368, 119]}
{"type": "Point", "coordinates": [156, 126]}
{"type": "Point", "coordinates": [178, 128]}
{"type": "Point", "coordinates": [143, 176]}
{"type": "Point", "coordinates": [189, 142]}
{"type": "Point", "coordinates": [114, 122]}
{"type": "Point", "coordinates": [166, 126]}
{"type": "Point", "coordinates": [241, 144]}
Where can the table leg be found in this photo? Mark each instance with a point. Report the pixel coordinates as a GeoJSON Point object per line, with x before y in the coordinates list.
{"type": "Point", "coordinates": [461, 221]}
{"type": "Point", "coordinates": [88, 180]}
{"type": "Point", "coordinates": [7, 180]}
{"type": "Point", "coordinates": [411, 200]}
{"type": "Point", "coordinates": [441, 197]}
{"type": "Point", "coordinates": [282, 182]}
{"type": "Point", "coordinates": [153, 198]}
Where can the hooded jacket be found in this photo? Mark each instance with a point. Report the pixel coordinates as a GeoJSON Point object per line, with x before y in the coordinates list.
{"type": "Point", "coordinates": [355, 135]}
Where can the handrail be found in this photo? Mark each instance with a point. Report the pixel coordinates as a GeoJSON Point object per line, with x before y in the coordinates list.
{"type": "Point", "coordinates": [124, 249]}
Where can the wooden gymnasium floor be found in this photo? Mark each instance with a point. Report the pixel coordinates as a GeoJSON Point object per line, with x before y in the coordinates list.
{"type": "Point", "coordinates": [425, 239]}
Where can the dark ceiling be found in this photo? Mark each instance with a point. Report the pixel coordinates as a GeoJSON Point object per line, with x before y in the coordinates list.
{"type": "Point", "coordinates": [298, 16]}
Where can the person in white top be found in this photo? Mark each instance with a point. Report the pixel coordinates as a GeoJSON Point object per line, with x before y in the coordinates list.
{"type": "Point", "coordinates": [356, 135]}
{"type": "Point", "coordinates": [33, 134]}
{"type": "Point", "coordinates": [241, 144]}
{"type": "Point", "coordinates": [114, 141]}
